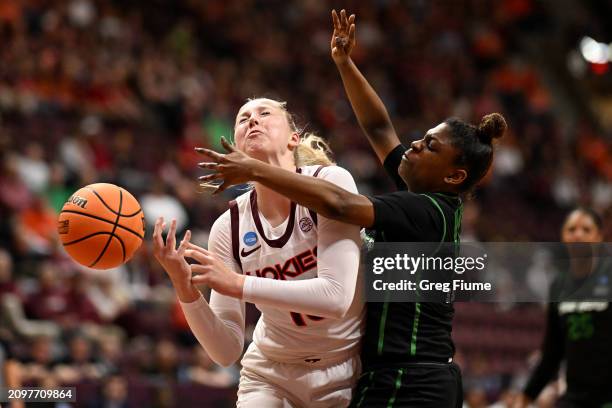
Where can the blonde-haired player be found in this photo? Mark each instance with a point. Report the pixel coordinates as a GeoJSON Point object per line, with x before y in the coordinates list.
{"type": "Point", "coordinates": [306, 343]}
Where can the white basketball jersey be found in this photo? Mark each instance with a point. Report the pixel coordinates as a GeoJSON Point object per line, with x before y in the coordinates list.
{"type": "Point", "coordinates": [289, 252]}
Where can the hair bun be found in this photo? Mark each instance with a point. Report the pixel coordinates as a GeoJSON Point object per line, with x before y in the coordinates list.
{"type": "Point", "coordinates": [492, 126]}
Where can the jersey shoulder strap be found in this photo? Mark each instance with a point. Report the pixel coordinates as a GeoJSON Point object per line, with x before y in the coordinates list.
{"type": "Point", "coordinates": [313, 214]}
{"type": "Point", "coordinates": [235, 226]}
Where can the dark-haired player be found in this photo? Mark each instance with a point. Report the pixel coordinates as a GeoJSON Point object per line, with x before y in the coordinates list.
{"type": "Point", "coordinates": [579, 331]}
{"type": "Point", "coordinates": [407, 349]}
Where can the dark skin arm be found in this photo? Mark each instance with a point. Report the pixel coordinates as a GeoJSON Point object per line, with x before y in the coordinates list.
{"type": "Point", "coordinates": [367, 105]}
{"type": "Point", "coordinates": [319, 195]}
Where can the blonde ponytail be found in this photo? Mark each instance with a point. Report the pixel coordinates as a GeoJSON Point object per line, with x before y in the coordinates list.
{"type": "Point", "coordinates": [312, 150]}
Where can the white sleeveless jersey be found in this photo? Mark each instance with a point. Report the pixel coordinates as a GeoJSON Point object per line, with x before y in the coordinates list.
{"type": "Point", "coordinates": [289, 252]}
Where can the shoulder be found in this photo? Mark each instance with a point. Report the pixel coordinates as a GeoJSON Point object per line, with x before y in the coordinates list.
{"type": "Point", "coordinates": [221, 223]}
{"type": "Point", "coordinates": [419, 214]}
{"type": "Point", "coordinates": [220, 232]}
{"type": "Point", "coordinates": [334, 174]}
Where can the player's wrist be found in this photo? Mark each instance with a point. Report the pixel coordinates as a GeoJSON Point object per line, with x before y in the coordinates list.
{"type": "Point", "coordinates": [258, 170]}
{"type": "Point", "coordinates": [343, 62]}
{"type": "Point", "coordinates": [239, 286]}
{"type": "Point", "coordinates": [186, 291]}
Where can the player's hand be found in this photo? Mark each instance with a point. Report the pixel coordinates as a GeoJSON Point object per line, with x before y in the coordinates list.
{"type": "Point", "coordinates": [171, 258]}
{"type": "Point", "coordinates": [343, 38]}
{"type": "Point", "coordinates": [212, 272]}
{"type": "Point", "coordinates": [232, 168]}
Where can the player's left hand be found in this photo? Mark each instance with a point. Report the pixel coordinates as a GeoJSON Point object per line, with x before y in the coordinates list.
{"type": "Point", "coordinates": [233, 168]}
{"type": "Point", "coordinates": [213, 272]}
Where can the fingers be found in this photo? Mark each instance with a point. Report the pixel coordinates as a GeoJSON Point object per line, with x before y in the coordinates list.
{"type": "Point", "coordinates": [208, 165]}
{"type": "Point", "coordinates": [351, 20]}
{"type": "Point", "coordinates": [226, 145]}
{"type": "Point", "coordinates": [335, 20]}
{"type": "Point", "coordinates": [192, 246]}
{"type": "Point", "coordinates": [217, 157]}
{"type": "Point", "coordinates": [343, 20]}
{"type": "Point", "coordinates": [210, 177]}
{"type": "Point", "coordinates": [220, 189]}
{"type": "Point", "coordinates": [158, 242]}
{"type": "Point", "coordinates": [352, 33]}
{"type": "Point", "coordinates": [184, 243]}
{"type": "Point", "coordinates": [199, 274]}
{"type": "Point", "coordinates": [199, 256]}
{"type": "Point", "coordinates": [199, 280]}
{"type": "Point", "coordinates": [171, 238]}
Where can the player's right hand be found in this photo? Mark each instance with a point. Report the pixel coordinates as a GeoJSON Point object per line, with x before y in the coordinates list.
{"type": "Point", "coordinates": [343, 38]}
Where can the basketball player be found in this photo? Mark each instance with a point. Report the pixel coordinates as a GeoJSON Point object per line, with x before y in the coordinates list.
{"type": "Point", "coordinates": [407, 349]}
{"type": "Point", "coordinates": [305, 349]}
{"type": "Point", "coordinates": [579, 331]}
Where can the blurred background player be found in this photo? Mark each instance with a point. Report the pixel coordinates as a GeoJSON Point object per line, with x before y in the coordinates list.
{"type": "Point", "coordinates": [407, 349]}
{"type": "Point", "coordinates": [578, 329]}
{"type": "Point", "coordinates": [300, 270]}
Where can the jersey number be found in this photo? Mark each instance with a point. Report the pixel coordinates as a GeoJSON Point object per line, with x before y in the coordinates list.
{"type": "Point", "coordinates": [298, 318]}
{"type": "Point", "coordinates": [580, 326]}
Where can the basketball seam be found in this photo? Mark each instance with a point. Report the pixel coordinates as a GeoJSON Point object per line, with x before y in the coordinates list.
{"type": "Point", "coordinates": [122, 246]}
{"type": "Point", "coordinates": [109, 208]}
{"type": "Point", "coordinates": [102, 219]}
{"type": "Point", "coordinates": [76, 241]}
{"type": "Point", "coordinates": [112, 232]}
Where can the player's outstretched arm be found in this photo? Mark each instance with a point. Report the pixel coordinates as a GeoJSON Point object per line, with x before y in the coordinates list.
{"type": "Point", "coordinates": [367, 105]}
{"type": "Point", "coordinates": [330, 294]}
{"type": "Point", "coordinates": [219, 327]}
{"type": "Point", "coordinates": [327, 199]}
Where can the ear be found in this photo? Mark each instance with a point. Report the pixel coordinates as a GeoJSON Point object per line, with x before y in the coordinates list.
{"type": "Point", "coordinates": [457, 177]}
{"type": "Point", "coordinates": [294, 141]}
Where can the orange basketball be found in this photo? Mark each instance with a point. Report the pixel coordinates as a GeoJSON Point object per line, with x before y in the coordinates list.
{"type": "Point", "coordinates": [101, 226]}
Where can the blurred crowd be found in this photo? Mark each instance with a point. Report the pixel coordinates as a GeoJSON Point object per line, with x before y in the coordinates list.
{"type": "Point", "coordinates": [122, 91]}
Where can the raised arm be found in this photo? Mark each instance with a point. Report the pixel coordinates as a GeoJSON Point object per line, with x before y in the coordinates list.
{"type": "Point", "coordinates": [367, 105]}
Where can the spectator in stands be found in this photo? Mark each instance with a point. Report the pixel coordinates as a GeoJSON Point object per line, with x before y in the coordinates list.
{"type": "Point", "coordinates": [206, 372]}
{"type": "Point", "coordinates": [80, 364]}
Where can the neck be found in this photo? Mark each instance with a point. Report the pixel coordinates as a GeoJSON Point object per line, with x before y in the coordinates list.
{"type": "Point", "coordinates": [273, 206]}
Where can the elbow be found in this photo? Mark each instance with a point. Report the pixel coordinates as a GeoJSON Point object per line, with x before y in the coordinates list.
{"type": "Point", "coordinates": [340, 309]}
{"type": "Point", "coordinates": [336, 205]}
{"type": "Point", "coordinates": [227, 360]}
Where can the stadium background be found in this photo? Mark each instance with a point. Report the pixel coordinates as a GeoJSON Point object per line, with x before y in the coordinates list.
{"type": "Point", "coordinates": [121, 92]}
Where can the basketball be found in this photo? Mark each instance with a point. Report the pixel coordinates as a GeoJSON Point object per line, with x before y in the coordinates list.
{"type": "Point", "coordinates": [101, 226]}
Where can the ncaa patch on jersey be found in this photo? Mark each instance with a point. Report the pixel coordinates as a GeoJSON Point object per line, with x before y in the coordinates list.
{"type": "Point", "coordinates": [250, 238]}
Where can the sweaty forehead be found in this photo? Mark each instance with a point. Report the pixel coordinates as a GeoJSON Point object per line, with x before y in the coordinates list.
{"type": "Point", "coordinates": [438, 131]}
{"type": "Point", "coordinates": [257, 104]}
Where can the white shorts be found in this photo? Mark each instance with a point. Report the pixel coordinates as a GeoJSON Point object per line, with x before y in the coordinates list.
{"type": "Point", "coordinates": [271, 384]}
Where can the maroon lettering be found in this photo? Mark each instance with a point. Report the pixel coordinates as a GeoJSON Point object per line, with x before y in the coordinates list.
{"type": "Point", "coordinates": [269, 271]}
{"type": "Point", "coordinates": [301, 263]}
{"type": "Point", "coordinates": [284, 270]}
{"type": "Point", "coordinates": [306, 260]}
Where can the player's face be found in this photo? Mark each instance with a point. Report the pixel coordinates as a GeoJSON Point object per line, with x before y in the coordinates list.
{"type": "Point", "coordinates": [428, 163]}
{"type": "Point", "coordinates": [262, 130]}
{"type": "Point", "coordinates": [580, 227]}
